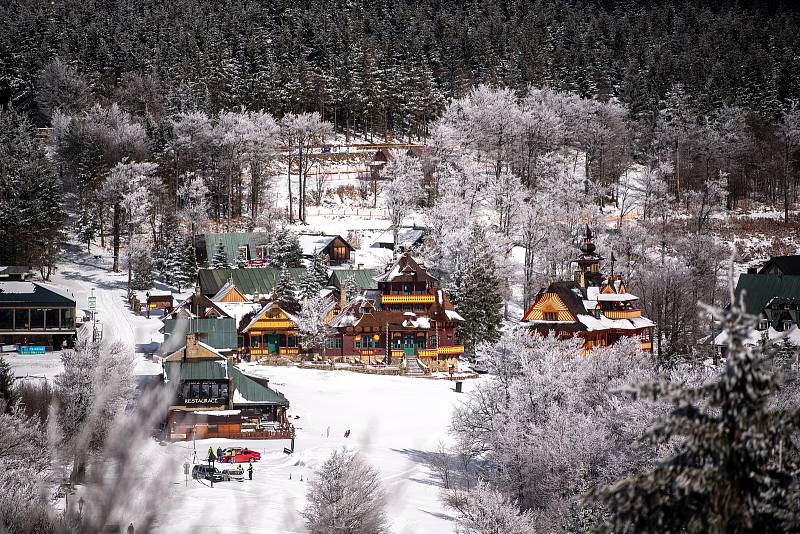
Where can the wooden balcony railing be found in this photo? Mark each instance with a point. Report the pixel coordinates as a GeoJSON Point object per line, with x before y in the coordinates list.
{"type": "Point", "coordinates": [622, 314]}
{"type": "Point", "coordinates": [407, 299]}
{"type": "Point", "coordinates": [288, 351]}
{"type": "Point", "coordinates": [427, 353]}
{"type": "Point", "coordinates": [455, 349]}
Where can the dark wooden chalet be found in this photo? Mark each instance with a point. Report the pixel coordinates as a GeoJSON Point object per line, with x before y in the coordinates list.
{"type": "Point", "coordinates": [335, 247]}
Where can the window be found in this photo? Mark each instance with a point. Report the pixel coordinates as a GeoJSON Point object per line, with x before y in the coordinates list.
{"type": "Point", "coordinates": [421, 342]}
{"type": "Point", "coordinates": [420, 287]}
{"type": "Point", "coordinates": [261, 252]}
{"type": "Point", "coordinates": [243, 253]}
{"type": "Point", "coordinates": [407, 289]}
{"type": "Point", "coordinates": [357, 343]}
{"type": "Point", "coordinates": [67, 318]}
{"type": "Point", "coordinates": [291, 341]}
{"type": "Point", "coordinates": [434, 341]}
{"type": "Point", "coordinates": [763, 324]}
{"type": "Point", "coordinates": [395, 307]}
{"type": "Point", "coordinates": [406, 307]}
{"type": "Point", "coordinates": [255, 341]}
{"type": "Point", "coordinates": [785, 325]}
{"type": "Point", "coordinates": [551, 316]}
{"type": "Point", "coordinates": [397, 342]}
{"type": "Point", "coordinates": [6, 319]}
{"type": "Point", "coordinates": [419, 307]}
{"type": "Point", "coordinates": [51, 320]}
{"type": "Point", "coordinates": [37, 319]}
{"type": "Point", "coordinates": [205, 390]}
{"type": "Point", "coordinates": [366, 342]}
{"type": "Point", "coordinates": [22, 319]}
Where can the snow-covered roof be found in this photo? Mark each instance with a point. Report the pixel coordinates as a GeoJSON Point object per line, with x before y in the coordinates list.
{"type": "Point", "coordinates": [616, 297]}
{"type": "Point", "coordinates": [311, 245]}
{"type": "Point", "coordinates": [604, 323]}
{"type": "Point", "coordinates": [28, 293]}
{"type": "Point", "coordinates": [405, 237]}
{"type": "Point", "coordinates": [218, 413]}
{"type": "Point", "coordinates": [419, 322]}
{"type": "Point", "coordinates": [238, 310]}
{"type": "Point", "coordinates": [229, 285]}
{"type": "Point", "coordinates": [756, 336]}
{"type": "Point", "coordinates": [453, 315]}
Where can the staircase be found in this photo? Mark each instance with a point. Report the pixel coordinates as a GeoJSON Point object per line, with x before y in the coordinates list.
{"type": "Point", "coordinates": [413, 367]}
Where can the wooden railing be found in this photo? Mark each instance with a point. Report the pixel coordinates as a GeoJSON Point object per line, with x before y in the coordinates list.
{"type": "Point", "coordinates": [267, 324]}
{"type": "Point", "coordinates": [406, 299]}
{"type": "Point", "coordinates": [427, 353]}
{"type": "Point", "coordinates": [288, 350]}
{"type": "Point", "coordinates": [455, 349]}
{"type": "Point", "coordinates": [647, 345]}
{"type": "Point", "coordinates": [622, 314]}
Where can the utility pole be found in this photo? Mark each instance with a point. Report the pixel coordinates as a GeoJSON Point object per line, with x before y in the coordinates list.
{"type": "Point", "coordinates": [93, 310]}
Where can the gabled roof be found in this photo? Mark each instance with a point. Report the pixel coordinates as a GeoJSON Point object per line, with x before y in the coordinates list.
{"type": "Point", "coordinates": [406, 237]}
{"type": "Point", "coordinates": [232, 241]}
{"type": "Point", "coordinates": [759, 289]}
{"type": "Point", "coordinates": [787, 265]}
{"type": "Point", "coordinates": [250, 390]}
{"type": "Point", "coordinates": [193, 303]}
{"type": "Point", "coordinates": [225, 291]}
{"type": "Point", "coordinates": [405, 268]}
{"type": "Point", "coordinates": [34, 294]}
{"type": "Point", "coordinates": [248, 281]}
{"type": "Point", "coordinates": [364, 278]}
{"type": "Point", "coordinates": [314, 244]}
{"type": "Point", "coordinates": [267, 308]}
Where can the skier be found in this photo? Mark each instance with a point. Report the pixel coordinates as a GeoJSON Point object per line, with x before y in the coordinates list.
{"type": "Point", "coordinates": [250, 471]}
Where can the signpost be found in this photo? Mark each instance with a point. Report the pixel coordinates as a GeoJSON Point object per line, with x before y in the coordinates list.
{"type": "Point", "coordinates": [93, 309]}
{"type": "Point", "coordinates": [186, 472]}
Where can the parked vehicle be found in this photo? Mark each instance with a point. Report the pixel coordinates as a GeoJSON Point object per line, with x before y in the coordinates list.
{"type": "Point", "coordinates": [480, 365]}
{"type": "Point", "coordinates": [240, 455]}
{"type": "Point", "coordinates": [232, 474]}
{"type": "Point", "coordinates": [207, 473]}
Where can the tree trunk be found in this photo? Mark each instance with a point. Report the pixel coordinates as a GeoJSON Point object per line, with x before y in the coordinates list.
{"type": "Point", "coordinates": [115, 230]}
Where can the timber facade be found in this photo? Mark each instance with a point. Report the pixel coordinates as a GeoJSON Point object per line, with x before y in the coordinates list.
{"type": "Point", "coordinates": [596, 308]}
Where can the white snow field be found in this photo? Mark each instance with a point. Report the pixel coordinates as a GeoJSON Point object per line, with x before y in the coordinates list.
{"type": "Point", "coordinates": [396, 422]}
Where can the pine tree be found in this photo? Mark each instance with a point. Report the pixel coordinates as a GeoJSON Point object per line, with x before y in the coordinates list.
{"type": "Point", "coordinates": [309, 283]}
{"type": "Point", "coordinates": [351, 287]}
{"type": "Point", "coordinates": [320, 264]}
{"type": "Point", "coordinates": [7, 395]}
{"type": "Point", "coordinates": [285, 249]}
{"type": "Point", "coordinates": [189, 263]}
{"type": "Point", "coordinates": [736, 464]}
{"type": "Point", "coordinates": [176, 270]}
{"type": "Point", "coordinates": [286, 292]}
{"type": "Point", "coordinates": [87, 228]}
{"type": "Point", "coordinates": [220, 258]}
{"type": "Point", "coordinates": [474, 292]}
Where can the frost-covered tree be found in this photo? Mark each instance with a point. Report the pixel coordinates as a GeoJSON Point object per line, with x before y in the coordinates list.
{"type": "Point", "coordinates": [736, 464]}
{"type": "Point", "coordinates": [286, 291]}
{"type": "Point", "coordinates": [32, 215]}
{"type": "Point", "coordinates": [351, 287]}
{"type": "Point", "coordinates": [285, 249]}
{"type": "Point", "coordinates": [194, 205]}
{"type": "Point", "coordinates": [314, 328]}
{"type": "Point", "coordinates": [8, 397]}
{"type": "Point", "coordinates": [485, 510]}
{"type": "Point", "coordinates": [61, 87]}
{"type": "Point", "coordinates": [87, 228]}
{"type": "Point", "coordinates": [475, 293]}
{"type": "Point", "coordinates": [403, 190]}
{"type": "Point", "coordinates": [346, 496]}
{"type": "Point", "coordinates": [220, 258]}
{"type": "Point", "coordinates": [96, 384]}
{"type": "Point", "coordinates": [309, 283]}
{"type": "Point", "coordinates": [139, 261]}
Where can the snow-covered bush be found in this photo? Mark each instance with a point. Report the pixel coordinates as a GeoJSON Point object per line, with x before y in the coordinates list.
{"type": "Point", "coordinates": [346, 496]}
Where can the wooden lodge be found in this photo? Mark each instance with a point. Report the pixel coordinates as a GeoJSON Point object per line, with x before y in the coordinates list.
{"type": "Point", "coordinates": [596, 308]}
{"type": "Point", "coordinates": [214, 398]}
{"type": "Point", "coordinates": [407, 317]}
{"type": "Point", "coordinates": [272, 331]}
{"type": "Point", "coordinates": [34, 313]}
{"type": "Point", "coordinates": [335, 247]}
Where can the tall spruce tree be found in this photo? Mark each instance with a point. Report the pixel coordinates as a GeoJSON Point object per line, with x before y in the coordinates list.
{"type": "Point", "coordinates": [220, 258]}
{"type": "Point", "coordinates": [189, 265]}
{"type": "Point", "coordinates": [309, 283]}
{"type": "Point", "coordinates": [285, 249]}
{"type": "Point", "coordinates": [286, 292]}
{"type": "Point", "coordinates": [475, 295]}
{"type": "Point", "coordinates": [87, 228]}
{"type": "Point", "coordinates": [7, 394]}
{"type": "Point", "coordinates": [736, 463]}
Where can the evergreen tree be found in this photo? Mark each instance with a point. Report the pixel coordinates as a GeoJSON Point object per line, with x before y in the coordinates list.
{"type": "Point", "coordinates": [321, 264]}
{"type": "Point", "coordinates": [32, 215]}
{"type": "Point", "coordinates": [140, 260]}
{"type": "Point", "coordinates": [285, 249]}
{"type": "Point", "coordinates": [176, 265]}
{"type": "Point", "coordinates": [309, 283]}
{"type": "Point", "coordinates": [286, 292]}
{"type": "Point", "coordinates": [475, 294]}
{"type": "Point", "coordinates": [189, 262]}
{"type": "Point", "coordinates": [351, 287]}
{"type": "Point", "coordinates": [220, 258]}
{"type": "Point", "coordinates": [7, 395]}
{"type": "Point", "coordinates": [736, 462]}
{"type": "Point", "coordinates": [87, 228]}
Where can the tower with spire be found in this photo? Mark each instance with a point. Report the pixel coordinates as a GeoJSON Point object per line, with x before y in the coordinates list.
{"type": "Point", "coordinates": [592, 306]}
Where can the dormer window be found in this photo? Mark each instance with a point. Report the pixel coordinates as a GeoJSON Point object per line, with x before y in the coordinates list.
{"type": "Point", "coordinates": [763, 324]}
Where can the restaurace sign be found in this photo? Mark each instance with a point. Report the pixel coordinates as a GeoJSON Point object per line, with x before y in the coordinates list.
{"type": "Point", "coordinates": [204, 401]}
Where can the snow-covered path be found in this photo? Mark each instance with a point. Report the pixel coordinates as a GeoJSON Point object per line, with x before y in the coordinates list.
{"type": "Point", "coordinates": [80, 272]}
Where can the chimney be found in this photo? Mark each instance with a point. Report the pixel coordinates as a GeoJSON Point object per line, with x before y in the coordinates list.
{"type": "Point", "coordinates": [197, 291]}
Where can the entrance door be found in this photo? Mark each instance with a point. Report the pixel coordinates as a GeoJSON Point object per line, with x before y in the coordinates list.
{"type": "Point", "coordinates": [272, 343]}
{"type": "Point", "coordinates": [408, 345]}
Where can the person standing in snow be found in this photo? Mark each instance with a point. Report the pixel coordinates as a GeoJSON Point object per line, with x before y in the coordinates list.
{"type": "Point", "coordinates": [240, 469]}
{"type": "Point", "coordinates": [250, 471]}
{"type": "Point", "coordinates": [219, 453]}
{"type": "Point", "coordinates": [211, 457]}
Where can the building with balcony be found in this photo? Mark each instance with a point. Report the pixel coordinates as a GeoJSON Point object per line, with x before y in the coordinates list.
{"type": "Point", "coordinates": [34, 313]}
{"type": "Point", "coordinates": [596, 308]}
{"type": "Point", "coordinates": [406, 316]}
{"type": "Point", "coordinates": [270, 332]}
